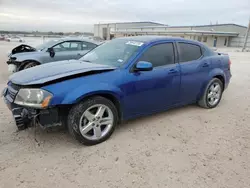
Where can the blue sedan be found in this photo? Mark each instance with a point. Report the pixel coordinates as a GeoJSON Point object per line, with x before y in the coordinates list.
{"type": "Point", "coordinates": [122, 79]}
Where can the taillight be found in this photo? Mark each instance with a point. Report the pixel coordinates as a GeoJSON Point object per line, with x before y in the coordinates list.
{"type": "Point", "coordinates": [229, 63]}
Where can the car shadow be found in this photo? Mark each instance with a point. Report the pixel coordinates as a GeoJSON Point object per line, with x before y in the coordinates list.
{"type": "Point", "coordinates": [60, 135]}
{"type": "Point", "coordinates": [129, 124]}
{"type": "Point", "coordinates": [53, 136]}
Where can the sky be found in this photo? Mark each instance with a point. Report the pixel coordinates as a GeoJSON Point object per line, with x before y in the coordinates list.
{"type": "Point", "coordinates": [80, 15]}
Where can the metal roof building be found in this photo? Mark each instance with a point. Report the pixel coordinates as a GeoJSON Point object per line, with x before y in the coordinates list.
{"type": "Point", "coordinates": [213, 35]}
{"type": "Point", "coordinates": [106, 30]}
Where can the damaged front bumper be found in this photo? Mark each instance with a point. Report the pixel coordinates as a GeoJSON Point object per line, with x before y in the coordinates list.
{"type": "Point", "coordinates": [13, 61]}
{"type": "Point", "coordinates": [13, 66]}
{"type": "Point", "coordinates": [25, 117]}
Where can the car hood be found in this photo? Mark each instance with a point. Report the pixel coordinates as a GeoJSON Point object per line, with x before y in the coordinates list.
{"type": "Point", "coordinates": [56, 70]}
{"type": "Point", "coordinates": [24, 54]}
{"type": "Point", "coordinates": [22, 49]}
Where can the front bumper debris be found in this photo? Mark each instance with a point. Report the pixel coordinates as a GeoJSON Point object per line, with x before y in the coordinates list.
{"type": "Point", "coordinates": [25, 117]}
{"type": "Point", "coordinates": [10, 61]}
{"type": "Point", "coordinates": [12, 68]}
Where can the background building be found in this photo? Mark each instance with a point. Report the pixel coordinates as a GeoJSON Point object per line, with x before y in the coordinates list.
{"type": "Point", "coordinates": [218, 35]}
{"type": "Point", "coordinates": [107, 31]}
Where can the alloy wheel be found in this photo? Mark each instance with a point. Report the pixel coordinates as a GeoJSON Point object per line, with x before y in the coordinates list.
{"type": "Point", "coordinates": [214, 94]}
{"type": "Point", "coordinates": [96, 122]}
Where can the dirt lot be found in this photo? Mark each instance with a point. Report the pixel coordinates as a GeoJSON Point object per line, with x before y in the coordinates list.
{"type": "Point", "coordinates": [185, 147]}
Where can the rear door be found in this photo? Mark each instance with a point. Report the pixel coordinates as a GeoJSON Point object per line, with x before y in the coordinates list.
{"type": "Point", "coordinates": [75, 49]}
{"type": "Point", "coordinates": [85, 47]}
{"type": "Point", "coordinates": [67, 50]}
{"type": "Point", "coordinates": [194, 70]}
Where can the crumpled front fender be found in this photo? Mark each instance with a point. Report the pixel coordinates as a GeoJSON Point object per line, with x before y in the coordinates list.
{"type": "Point", "coordinates": [80, 93]}
{"type": "Point", "coordinates": [70, 92]}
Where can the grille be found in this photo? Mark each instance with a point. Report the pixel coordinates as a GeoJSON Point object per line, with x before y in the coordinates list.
{"type": "Point", "coordinates": [19, 120]}
{"type": "Point", "coordinates": [12, 90]}
{"type": "Point", "coordinates": [14, 86]}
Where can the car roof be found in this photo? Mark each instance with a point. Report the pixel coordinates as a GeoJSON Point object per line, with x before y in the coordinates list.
{"type": "Point", "coordinates": [149, 39]}
{"type": "Point", "coordinates": [78, 39]}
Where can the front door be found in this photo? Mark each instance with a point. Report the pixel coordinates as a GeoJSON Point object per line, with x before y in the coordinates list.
{"type": "Point", "coordinates": [67, 50]}
{"type": "Point", "coordinates": [151, 91]}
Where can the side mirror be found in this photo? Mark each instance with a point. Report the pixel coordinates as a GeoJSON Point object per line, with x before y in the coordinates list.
{"type": "Point", "coordinates": [51, 52]}
{"type": "Point", "coordinates": [143, 66]}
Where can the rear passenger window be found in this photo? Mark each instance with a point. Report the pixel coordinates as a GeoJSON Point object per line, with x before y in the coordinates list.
{"type": "Point", "coordinates": [159, 55]}
{"type": "Point", "coordinates": [189, 52]}
{"type": "Point", "coordinates": [88, 46]}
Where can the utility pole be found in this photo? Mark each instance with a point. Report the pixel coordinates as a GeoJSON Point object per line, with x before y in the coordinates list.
{"type": "Point", "coordinates": [99, 29]}
{"type": "Point", "coordinates": [108, 33]}
{"type": "Point", "coordinates": [246, 37]}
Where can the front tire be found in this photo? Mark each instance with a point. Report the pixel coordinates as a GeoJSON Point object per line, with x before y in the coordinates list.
{"type": "Point", "coordinates": [29, 65]}
{"type": "Point", "coordinates": [212, 95]}
{"type": "Point", "coordinates": [93, 120]}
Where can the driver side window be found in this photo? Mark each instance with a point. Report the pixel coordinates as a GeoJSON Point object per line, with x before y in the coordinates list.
{"type": "Point", "coordinates": [68, 46]}
{"type": "Point", "coordinates": [62, 47]}
{"type": "Point", "coordinates": [159, 54]}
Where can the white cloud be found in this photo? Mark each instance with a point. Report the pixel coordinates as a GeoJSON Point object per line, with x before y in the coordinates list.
{"type": "Point", "coordinates": [80, 15]}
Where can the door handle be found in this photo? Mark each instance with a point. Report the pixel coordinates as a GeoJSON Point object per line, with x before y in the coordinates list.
{"type": "Point", "coordinates": [172, 71]}
{"type": "Point", "coordinates": [80, 54]}
{"type": "Point", "coordinates": [205, 65]}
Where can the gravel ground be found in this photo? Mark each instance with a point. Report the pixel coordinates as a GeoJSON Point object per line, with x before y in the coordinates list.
{"type": "Point", "coordinates": [185, 147]}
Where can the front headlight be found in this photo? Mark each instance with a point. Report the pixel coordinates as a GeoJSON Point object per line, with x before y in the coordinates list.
{"type": "Point", "coordinates": [36, 98]}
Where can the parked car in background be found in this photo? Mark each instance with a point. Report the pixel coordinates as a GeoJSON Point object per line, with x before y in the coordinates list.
{"type": "Point", "coordinates": [119, 80]}
{"type": "Point", "coordinates": [2, 37]}
{"type": "Point", "coordinates": [14, 39]}
{"type": "Point", "coordinates": [96, 38]}
{"type": "Point", "coordinates": [25, 56]}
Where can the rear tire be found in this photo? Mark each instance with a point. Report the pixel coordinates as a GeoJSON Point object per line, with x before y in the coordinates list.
{"type": "Point", "coordinates": [92, 121]}
{"type": "Point", "coordinates": [212, 94]}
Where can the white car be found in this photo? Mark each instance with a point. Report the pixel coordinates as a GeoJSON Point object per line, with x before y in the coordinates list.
{"type": "Point", "coordinates": [15, 39]}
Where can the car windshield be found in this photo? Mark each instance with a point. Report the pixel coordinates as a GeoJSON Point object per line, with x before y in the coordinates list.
{"type": "Point", "coordinates": [47, 45]}
{"type": "Point", "coordinates": [114, 53]}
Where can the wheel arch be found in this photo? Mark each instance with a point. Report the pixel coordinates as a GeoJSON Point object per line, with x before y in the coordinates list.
{"type": "Point", "coordinates": [216, 73]}
{"type": "Point", "coordinates": [110, 97]}
{"type": "Point", "coordinates": [27, 61]}
{"type": "Point", "coordinates": [77, 96]}
{"type": "Point", "coordinates": [222, 79]}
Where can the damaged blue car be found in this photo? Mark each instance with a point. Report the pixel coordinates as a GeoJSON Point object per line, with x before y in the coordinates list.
{"type": "Point", "coordinates": [119, 80]}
